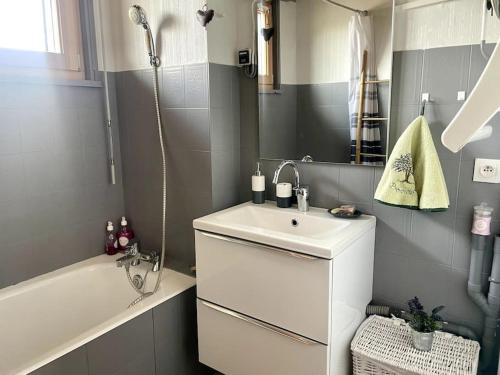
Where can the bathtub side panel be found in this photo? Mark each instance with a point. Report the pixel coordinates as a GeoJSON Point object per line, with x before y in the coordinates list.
{"type": "Point", "coordinates": [176, 343]}
{"type": "Point", "coordinates": [127, 349]}
{"type": "Point", "coordinates": [74, 363]}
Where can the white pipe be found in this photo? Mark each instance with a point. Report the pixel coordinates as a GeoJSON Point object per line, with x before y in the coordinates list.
{"type": "Point", "coordinates": [109, 128]}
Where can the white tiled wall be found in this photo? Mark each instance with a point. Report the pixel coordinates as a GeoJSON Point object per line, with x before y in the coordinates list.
{"type": "Point", "coordinates": [180, 38]}
{"type": "Point", "coordinates": [448, 23]}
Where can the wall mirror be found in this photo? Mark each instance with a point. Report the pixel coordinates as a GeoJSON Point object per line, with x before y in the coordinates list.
{"type": "Point", "coordinates": [315, 57]}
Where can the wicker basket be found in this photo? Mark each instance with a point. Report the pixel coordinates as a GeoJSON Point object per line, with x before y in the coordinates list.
{"type": "Point", "coordinates": [384, 346]}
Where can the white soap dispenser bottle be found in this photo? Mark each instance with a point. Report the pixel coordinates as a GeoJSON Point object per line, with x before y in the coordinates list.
{"type": "Point", "coordinates": [258, 186]}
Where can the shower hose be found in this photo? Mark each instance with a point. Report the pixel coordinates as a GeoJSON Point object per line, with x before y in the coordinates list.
{"type": "Point", "coordinates": [164, 200]}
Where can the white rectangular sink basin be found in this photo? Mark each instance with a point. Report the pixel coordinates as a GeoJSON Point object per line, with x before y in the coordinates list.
{"type": "Point", "coordinates": [315, 232]}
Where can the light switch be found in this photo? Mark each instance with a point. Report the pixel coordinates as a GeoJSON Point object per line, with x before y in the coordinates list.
{"type": "Point", "coordinates": [461, 96]}
{"type": "Point", "coordinates": [487, 170]}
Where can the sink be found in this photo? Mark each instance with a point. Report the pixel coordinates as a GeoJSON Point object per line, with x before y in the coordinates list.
{"type": "Point", "coordinates": [288, 221]}
{"type": "Point", "coordinates": [315, 232]}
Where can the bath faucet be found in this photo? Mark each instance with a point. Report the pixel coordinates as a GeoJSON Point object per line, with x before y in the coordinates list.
{"type": "Point", "coordinates": [133, 257]}
{"type": "Point", "coordinates": [152, 258]}
{"type": "Point", "coordinates": [302, 192]}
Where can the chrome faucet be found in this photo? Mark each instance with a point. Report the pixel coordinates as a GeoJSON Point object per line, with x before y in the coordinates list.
{"type": "Point", "coordinates": [302, 192]}
{"type": "Point", "coordinates": [282, 165]}
{"type": "Point", "coordinates": [133, 257]}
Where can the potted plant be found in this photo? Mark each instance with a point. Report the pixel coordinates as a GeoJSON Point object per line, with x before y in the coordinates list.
{"type": "Point", "coordinates": [423, 325]}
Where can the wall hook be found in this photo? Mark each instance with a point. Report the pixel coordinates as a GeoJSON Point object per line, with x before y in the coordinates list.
{"type": "Point", "coordinates": [425, 100]}
{"type": "Point", "coordinates": [205, 15]}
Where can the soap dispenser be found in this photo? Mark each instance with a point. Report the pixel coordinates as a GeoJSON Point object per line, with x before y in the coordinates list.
{"type": "Point", "coordinates": [258, 186]}
{"type": "Point", "coordinates": [111, 245]}
{"type": "Point", "coordinates": [124, 235]}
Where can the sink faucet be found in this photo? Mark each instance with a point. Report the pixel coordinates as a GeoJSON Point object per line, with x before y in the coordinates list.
{"type": "Point", "coordinates": [133, 257]}
{"type": "Point", "coordinates": [282, 165]}
{"type": "Point", "coordinates": [302, 192]}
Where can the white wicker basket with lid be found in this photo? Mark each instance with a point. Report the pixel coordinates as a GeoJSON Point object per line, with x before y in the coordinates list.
{"type": "Point", "coordinates": [383, 346]}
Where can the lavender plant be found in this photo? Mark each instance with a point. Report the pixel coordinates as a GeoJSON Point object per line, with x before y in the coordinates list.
{"type": "Point", "coordinates": [421, 321]}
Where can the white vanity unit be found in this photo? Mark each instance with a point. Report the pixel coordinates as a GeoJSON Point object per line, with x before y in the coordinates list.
{"type": "Point", "coordinates": [280, 291]}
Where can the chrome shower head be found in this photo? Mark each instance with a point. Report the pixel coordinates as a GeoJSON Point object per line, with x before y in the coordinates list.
{"type": "Point", "coordinates": [138, 16]}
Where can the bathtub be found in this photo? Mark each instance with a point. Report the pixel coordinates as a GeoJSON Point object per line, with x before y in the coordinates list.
{"type": "Point", "coordinates": [48, 316]}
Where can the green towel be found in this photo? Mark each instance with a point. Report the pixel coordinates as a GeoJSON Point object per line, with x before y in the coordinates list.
{"type": "Point", "coordinates": [413, 177]}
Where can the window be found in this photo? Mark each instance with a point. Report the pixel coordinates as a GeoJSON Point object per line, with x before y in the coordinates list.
{"type": "Point", "coordinates": [41, 38]}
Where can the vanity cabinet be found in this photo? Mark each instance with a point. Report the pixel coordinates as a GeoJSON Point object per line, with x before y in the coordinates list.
{"type": "Point", "coordinates": [269, 311]}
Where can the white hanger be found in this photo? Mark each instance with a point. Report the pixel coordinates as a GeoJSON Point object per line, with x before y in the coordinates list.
{"type": "Point", "coordinates": [479, 108]}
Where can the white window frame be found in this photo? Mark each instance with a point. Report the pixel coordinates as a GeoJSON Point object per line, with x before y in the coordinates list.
{"type": "Point", "coordinates": [265, 49]}
{"type": "Point", "coordinates": [68, 64]}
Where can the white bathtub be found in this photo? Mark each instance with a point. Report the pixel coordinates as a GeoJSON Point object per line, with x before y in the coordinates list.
{"type": "Point", "coordinates": [46, 317]}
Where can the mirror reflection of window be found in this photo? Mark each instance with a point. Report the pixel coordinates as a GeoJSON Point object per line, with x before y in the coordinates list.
{"type": "Point", "coordinates": [41, 38]}
{"type": "Point", "coordinates": [266, 40]}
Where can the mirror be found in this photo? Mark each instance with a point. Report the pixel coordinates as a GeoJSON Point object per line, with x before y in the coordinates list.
{"type": "Point", "coordinates": [312, 65]}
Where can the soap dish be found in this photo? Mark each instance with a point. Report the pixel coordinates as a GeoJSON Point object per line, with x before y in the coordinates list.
{"type": "Point", "coordinates": [338, 212]}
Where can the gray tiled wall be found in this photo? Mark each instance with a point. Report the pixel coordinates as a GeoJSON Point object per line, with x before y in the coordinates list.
{"type": "Point", "coordinates": [55, 195]}
{"type": "Point", "coordinates": [323, 122]}
{"type": "Point", "coordinates": [225, 134]}
{"type": "Point", "coordinates": [417, 253]}
{"type": "Point", "coordinates": [278, 123]}
{"type": "Point", "coordinates": [249, 135]}
{"type": "Point", "coordinates": [201, 119]}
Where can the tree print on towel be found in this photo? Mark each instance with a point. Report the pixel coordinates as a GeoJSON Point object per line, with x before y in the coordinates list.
{"type": "Point", "coordinates": [404, 164]}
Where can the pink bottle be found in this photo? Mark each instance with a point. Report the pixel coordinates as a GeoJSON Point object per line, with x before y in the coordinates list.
{"type": "Point", "coordinates": [111, 245]}
{"type": "Point", "coordinates": [124, 235]}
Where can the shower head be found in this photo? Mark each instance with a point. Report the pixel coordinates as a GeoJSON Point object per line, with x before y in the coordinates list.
{"type": "Point", "coordinates": [138, 16]}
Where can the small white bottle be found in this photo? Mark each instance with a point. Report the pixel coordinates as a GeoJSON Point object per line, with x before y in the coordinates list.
{"type": "Point", "coordinates": [258, 186]}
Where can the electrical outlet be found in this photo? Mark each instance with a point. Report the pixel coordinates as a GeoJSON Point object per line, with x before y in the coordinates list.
{"type": "Point", "coordinates": [487, 170]}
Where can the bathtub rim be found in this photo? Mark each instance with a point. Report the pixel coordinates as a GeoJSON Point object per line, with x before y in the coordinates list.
{"type": "Point", "coordinates": [185, 282]}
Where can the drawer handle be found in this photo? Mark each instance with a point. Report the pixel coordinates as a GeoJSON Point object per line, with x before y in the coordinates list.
{"type": "Point", "coordinates": [261, 246]}
{"type": "Point", "coordinates": [261, 324]}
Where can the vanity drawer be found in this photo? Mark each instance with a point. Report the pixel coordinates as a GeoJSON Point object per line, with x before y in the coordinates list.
{"type": "Point", "coordinates": [280, 287]}
{"type": "Point", "coordinates": [238, 345]}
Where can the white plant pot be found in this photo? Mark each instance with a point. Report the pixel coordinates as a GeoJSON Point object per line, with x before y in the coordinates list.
{"type": "Point", "coordinates": [422, 340]}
